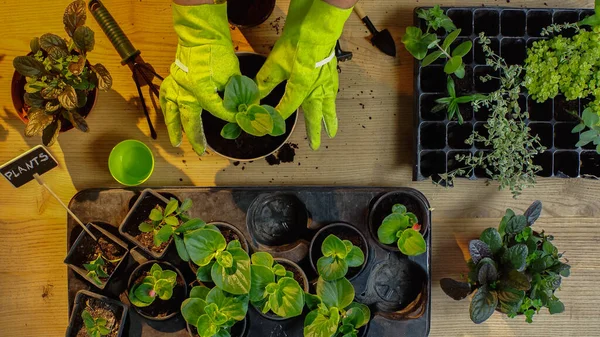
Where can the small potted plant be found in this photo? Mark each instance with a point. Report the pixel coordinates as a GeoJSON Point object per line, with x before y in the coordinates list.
{"type": "Point", "coordinates": [513, 269]}
{"type": "Point", "coordinates": [402, 227]}
{"type": "Point", "coordinates": [156, 290]}
{"type": "Point", "coordinates": [338, 250]}
{"type": "Point", "coordinates": [55, 87]}
{"type": "Point", "coordinates": [275, 289]}
{"type": "Point", "coordinates": [96, 261]}
{"type": "Point", "coordinates": [94, 315]}
{"type": "Point", "coordinates": [154, 222]}
{"type": "Point", "coordinates": [333, 312]}
{"type": "Point", "coordinates": [214, 312]}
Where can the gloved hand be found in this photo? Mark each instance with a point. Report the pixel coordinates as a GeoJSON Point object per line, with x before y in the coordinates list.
{"type": "Point", "coordinates": [305, 57]}
{"type": "Point", "coordinates": [204, 63]}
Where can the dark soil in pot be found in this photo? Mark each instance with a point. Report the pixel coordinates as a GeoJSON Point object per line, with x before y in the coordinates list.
{"type": "Point", "coordinates": [249, 13]}
{"type": "Point", "coordinates": [230, 233]}
{"type": "Point", "coordinates": [248, 147]}
{"type": "Point", "coordinates": [383, 207]}
{"type": "Point", "coordinates": [99, 307]}
{"type": "Point", "coordinates": [237, 330]}
{"type": "Point", "coordinates": [344, 232]}
{"type": "Point", "coordinates": [160, 310]}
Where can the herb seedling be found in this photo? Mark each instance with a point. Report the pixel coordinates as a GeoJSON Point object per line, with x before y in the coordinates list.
{"type": "Point", "coordinates": [213, 311]}
{"type": "Point", "coordinates": [163, 224]}
{"type": "Point", "coordinates": [226, 265]}
{"type": "Point", "coordinates": [418, 43]}
{"type": "Point", "coordinates": [158, 282]}
{"type": "Point", "coordinates": [451, 103]}
{"type": "Point", "coordinates": [97, 269]}
{"type": "Point", "coordinates": [337, 256]}
{"type": "Point", "coordinates": [273, 288]}
{"type": "Point", "coordinates": [59, 78]}
{"type": "Point", "coordinates": [403, 228]}
{"type": "Point", "coordinates": [333, 312]}
{"type": "Point", "coordinates": [590, 120]}
{"type": "Point", "coordinates": [243, 98]}
{"type": "Point", "coordinates": [95, 327]}
{"type": "Point", "coordinates": [512, 269]}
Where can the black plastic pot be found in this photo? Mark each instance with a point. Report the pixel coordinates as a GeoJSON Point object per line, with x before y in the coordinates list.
{"type": "Point", "coordinates": [247, 147]}
{"type": "Point", "coordinates": [230, 232]}
{"type": "Point", "coordinates": [237, 330]}
{"type": "Point", "coordinates": [85, 249]}
{"type": "Point", "coordinates": [249, 13]}
{"type": "Point", "coordinates": [414, 201]}
{"type": "Point", "coordinates": [118, 309]}
{"type": "Point", "coordinates": [343, 231]}
{"type": "Point", "coordinates": [157, 311]}
{"type": "Point", "coordinates": [139, 213]}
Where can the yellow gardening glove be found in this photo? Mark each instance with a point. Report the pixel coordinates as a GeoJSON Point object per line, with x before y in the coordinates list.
{"type": "Point", "coordinates": [204, 63]}
{"type": "Point", "coordinates": [305, 57]}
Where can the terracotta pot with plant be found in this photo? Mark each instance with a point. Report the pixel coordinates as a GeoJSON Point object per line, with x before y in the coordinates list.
{"type": "Point", "coordinates": [55, 86]}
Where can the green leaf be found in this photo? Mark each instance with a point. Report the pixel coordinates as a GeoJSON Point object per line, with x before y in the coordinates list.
{"type": "Point", "coordinates": [88, 320]}
{"type": "Point", "coordinates": [34, 100]}
{"type": "Point", "coordinates": [171, 207]}
{"type": "Point", "coordinates": [34, 45]}
{"type": "Point", "coordinates": [75, 16]}
{"type": "Point", "coordinates": [488, 273]}
{"type": "Point", "coordinates": [240, 91]}
{"type": "Point", "coordinates": [163, 235]}
{"type": "Point", "coordinates": [353, 317]}
{"type": "Point", "coordinates": [455, 289]}
{"type": "Point", "coordinates": [48, 41]}
{"type": "Point", "coordinates": [278, 121]}
{"type": "Point", "coordinates": [262, 259]}
{"type": "Point", "coordinates": [355, 257]}
{"type": "Point", "coordinates": [517, 280]}
{"type": "Point", "coordinates": [333, 246]}
{"type": "Point", "coordinates": [578, 128]}
{"type": "Point", "coordinates": [206, 327]}
{"type": "Point", "coordinates": [255, 121]}
{"type": "Point", "coordinates": [338, 293]}
{"type": "Point", "coordinates": [84, 39]}
{"type": "Point", "coordinates": [462, 49]}
{"type": "Point", "coordinates": [449, 39]}
{"type": "Point", "coordinates": [516, 256]}
{"type": "Point", "coordinates": [191, 225]}
{"type": "Point", "coordinates": [510, 299]}
{"type": "Point", "coordinates": [492, 239]}
{"type": "Point", "coordinates": [460, 72]}
{"type": "Point", "coordinates": [312, 301]}
{"type": "Point", "coordinates": [238, 282]}
{"type": "Point", "coordinates": [412, 243]}
{"type": "Point", "coordinates": [483, 304]}
{"type": "Point", "coordinates": [231, 131]}
{"type": "Point", "coordinates": [288, 299]}
{"type": "Point", "coordinates": [509, 215]}
{"type": "Point", "coordinates": [186, 205]}
{"type": "Point", "coordinates": [164, 289]}
{"type": "Point", "coordinates": [555, 306]}
{"type": "Point", "coordinates": [392, 224]}
{"type": "Point", "coordinates": [200, 292]}
{"type": "Point", "coordinates": [203, 273]}
{"type": "Point", "coordinates": [331, 268]}
{"type": "Point", "coordinates": [234, 307]}
{"type": "Point", "coordinates": [104, 78]}
{"type": "Point", "coordinates": [279, 270]}
{"type": "Point", "coordinates": [479, 250]}
{"type": "Point", "coordinates": [192, 308]}
{"type": "Point", "coordinates": [146, 227]}
{"type": "Point", "coordinates": [234, 244]}
{"type": "Point", "coordinates": [590, 118]}
{"type": "Point", "coordinates": [225, 259]}
{"type": "Point", "coordinates": [533, 212]}
{"type": "Point", "coordinates": [450, 87]}
{"type": "Point", "coordinates": [416, 43]}
{"type": "Point", "coordinates": [319, 325]}
{"type": "Point", "coordinates": [51, 132]}
{"type": "Point", "coordinates": [261, 276]}
{"type": "Point", "coordinates": [588, 135]}
{"type": "Point", "coordinates": [516, 224]}
{"type": "Point", "coordinates": [142, 293]}
{"type": "Point", "coordinates": [429, 59]}
{"type": "Point", "coordinates": [399, 209]}
{"type": "Point", "coordinates": [28, 66]}
{"type": "Point", "coordinates": [453, 64]}
{"type": "Point", "coordinates": [203, 244]}
{"type": "Point", "coordinates": [156, 214]}
{"type": "Point", "coordinates": [582, 143]}
{"type": "Point", "coordinates": [181, 250]}
{"type": "Point", "coordinates": [172, 221]}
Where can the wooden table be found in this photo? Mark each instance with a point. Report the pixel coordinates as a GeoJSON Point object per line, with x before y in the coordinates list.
{"type": "Point", "coordinates": [373, 147]}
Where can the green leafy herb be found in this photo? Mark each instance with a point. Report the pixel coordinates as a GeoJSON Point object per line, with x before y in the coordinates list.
{"type": "Point", "coordinates": [451, 103]}
{"type": "Point", "coordinates": [97, 270]}
{"type": "Point", "coordinates": [157, 283]}
{"type": "Point", "coordinates": [513, 269]}
{"type": "Point", "coordinates": [338, 255]}
{"type": "Point", "coordinates": [402, 227]}
{"type": "Point", "coordinates": [95, 327]}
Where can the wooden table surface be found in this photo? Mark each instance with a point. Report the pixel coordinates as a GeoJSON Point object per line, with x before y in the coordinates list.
{"type": "Point", "coordinates": [374, 147]}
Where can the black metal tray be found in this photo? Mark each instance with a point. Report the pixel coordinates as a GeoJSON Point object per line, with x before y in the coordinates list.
{"type": "Point", "coordinates": [108, 207]}
{"type": "Point", "coordinates": [438, 140]}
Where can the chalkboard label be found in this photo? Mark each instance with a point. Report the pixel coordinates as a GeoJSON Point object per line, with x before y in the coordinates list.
{"type": "Point", "coordinates": [20, 170]}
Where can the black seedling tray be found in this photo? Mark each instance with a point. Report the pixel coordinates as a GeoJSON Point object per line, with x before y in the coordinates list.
{"type": "Point", "coordinates": [388, 275]}
{"type": "Point", "coordinates": [512, 30]}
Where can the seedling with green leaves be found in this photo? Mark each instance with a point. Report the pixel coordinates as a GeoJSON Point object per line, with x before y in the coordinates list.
{"type": "Point", "coordinates": [403, 228]}
{"type": "Point", "coordinates": [591, 121]}
{"type": "Point", "coordinates": [451, 103]}
{"type": "Point", "coordinates": [418, 43]}
{"type": "Point", "coordinates": [213, 311]}
{"type": "Point", "coordinates": [97, 269]}
{"type": "Point", "coordinates": [95, 327]}
{"type": "Point", "coordinates": [333, 312]}
{"type": "Point", "coordinates": [59, 78]}
{"type": "Point", "coordinates": [157, 283]}
{"type": "Point", "coordinates": [273, 288]}
{"type": "Point", "coordinates": [512, 269]}
{"type": "Point", "coordinates": [338, 255]}
{"type": "Point", "coordinates": [243, 98]}
{"type": "Point", "coordinates": [163, 223]}
{"type": "Point", "coordinates": [226, 265]}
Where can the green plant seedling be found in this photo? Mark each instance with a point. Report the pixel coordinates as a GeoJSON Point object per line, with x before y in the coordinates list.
{"type": "Point", "coordinates": [512, 269]}
{"type": "Point", "coordinates": [59, 78]}
{"type": "Point", "coordinates": [451, 103]}
{"type": "Point", "coordinates": [213, 311]}
{"type": "Point", "coordinates": [227, 265]}
{"type": "Point", "coordinates": [157, 283]}
{"type": "Point", "coordinates": [590, 120]}
{"type": "Point", "coordinates": [333, 312]}
{"type": "Point", "coordinates": [273, 288]}
{"type": "Point", "coordinates": [97, 269]}
{"type": "Point", "coordinates": [403, 228]}
{"type": "Point", "coordinates": [242, 97]}
{"type": "Point", "coordinates": [338, 255]}
{"type": "Point", "coordinates": [95, 327]}
{"type": "Point", "coordinates": [418, 43]}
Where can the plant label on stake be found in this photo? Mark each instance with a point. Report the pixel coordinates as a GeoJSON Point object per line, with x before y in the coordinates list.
{"type": "Point", "coordinates": [29, 166]}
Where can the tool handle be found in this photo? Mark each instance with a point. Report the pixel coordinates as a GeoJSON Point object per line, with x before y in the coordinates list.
{"type": "Point", "coordinates": [363, 16]}
{"type": "Point", "coordinates": [114, 32]}
{"type": "Point", "coordinates": [359, 11]}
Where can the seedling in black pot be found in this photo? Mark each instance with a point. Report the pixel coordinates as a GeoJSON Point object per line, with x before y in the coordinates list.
{"type": "Point", "coordinates": [513, 269]}
{"type": "Point", "coordinates": [95, 316]}
{"type": "Point", "coordinates": [229, 232]}
{"type": "Point", "coordinates": [451, 103]}
{"type": "Point", "coordinates": [402, 227]}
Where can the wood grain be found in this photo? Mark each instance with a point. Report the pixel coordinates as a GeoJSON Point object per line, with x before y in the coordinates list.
{"type": "Point", "coordinates": [374, 147]}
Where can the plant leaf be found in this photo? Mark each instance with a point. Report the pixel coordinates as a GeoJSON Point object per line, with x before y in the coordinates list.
{"type": "Point", "coordinates": [83, 37]}
{"type": "Point", "coordinates": [156, 214]}
{"type": "Point", "coordinates": [483, 304]}
{"type": "Point", "coordinates": [48, 41]}
{"type": "Point", "coordinates": [238, 282]}
{"type": "Point", "coordinates": [38, 121]}
{"type": "Point", "coordinates": [104, 78]}
{"type": "Point", "coordinates": [163, 234]}
{"type": "Point", "coordinates": [145, 227]}
{"type": "Point", "coordinates": [460, 72]}
{"type": "Point", "coordinates": [74, 17]}
{"type": "Point", "coordinates": [392, 224]}
{"type": "Point", "coordinates": [450, 38]}
{"type": "Point", "coordinates": [51, 132]}
{"type": "Point", "coordinates": [68, 98]}
{"type": "Point", "coordinates": [412, 243]}
{"type": "Point", "coordinates": [492, 239]}
{"type": "Point", "coordinates": [288, 299]}
{"type": "Point", "coordinates": [479, 250]}
{"type": "Point", "coordinates": [432, 57]}
{"type": "Point", "coordinates": [278, 121]}
{"type": "Point", "coordinates": [181, 250]}
{"type": "Point", "coordinates": [462, 49]}
{"type": "Point", "coordinates": [171, 207]}
{"type": "Point", "coordinates": [590, 118]}
{"type": "Point", "coordinates": [510, 299]}
{"type": "Point", "coordinates": [191, 225]}
{"type": "Point", "coordinates": [488, 272]}
{"type": "Point", "coordinates": [355, 257]}
{"type": "Point", "coordinates": [331, 268]}
{"type": "Point", "coordinates": [455, 289]}
{"type": "Point", "coordinates": [516, 224]}
{"type": "Point", "coordinates": [261, 277]}
{"type": "Point", "coordinates": [240, 91]}
{"type": "Point", "coordinates": [203, 273]}
{"type": "Point", "coordinates": [192, 308]}
{"type": "Point", "coordinates": [79, 122]}
{"type": "Point", "coordinates": [338, 293]}
{"type": "Point", "coordinates": [533, 212]}
{"type": "Point", "coordinates": [34, 45]}
{"type": "Point", "coordinates": [34, 100]}
{"type": "Point", "coordinates": [262, 259]}
{"type": "Point", "coordinates": [203, 244]}
{"type": "Point", "coordinates": [517, 280]}
{"type": "Point", "coordinates": [28, 66]}
{"type": "Point", "coordinates": [453, 64]}
{"type": "Point", "coordinates": [555, 306]}
{"type": "Point", "coordinates": [416, 43]}
{"type": "Point", "coordinates": [57, 53]}
{"type": "Point", "coordinates": [234, 307]}
{"type": "Point", "coordinates": [516, 256]}
{"type": "Point", "coordinates": [450, 87]}
{"type": "Point", "coordinates": [333, 246]}
{"type": "Point", "coordinates": [231, 131]}
{"type": "Point", "coordinates": [578, 128]}
{"type": "Point", "coordinates": [318, 325]}
{"type": "Point", "coordinates": [354, 318]}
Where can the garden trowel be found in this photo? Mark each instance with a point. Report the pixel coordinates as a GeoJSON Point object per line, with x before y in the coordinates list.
{"type": "Point", "coordinates": [381, 39]}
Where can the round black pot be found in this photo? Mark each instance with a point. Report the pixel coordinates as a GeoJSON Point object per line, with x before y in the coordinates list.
{"type": "Point", "coordinates": [277, 220]}
{"type": "Point", "coordinates": [249, 13]}
{"type": "Point", "coordinates": [414, 201]}
{"type": "Point", "coordinates": [289, 266]}
{"type": "Point", "coordinates": [247, 147]}
{"type": "Point", "coordinates": [230, 232]}
{"type": "Point", "coordinates": [345, 232]}
{"type": "Point", "coordinates": [237, 330]}
{"type": "Point", "coordinates": [172, 306]}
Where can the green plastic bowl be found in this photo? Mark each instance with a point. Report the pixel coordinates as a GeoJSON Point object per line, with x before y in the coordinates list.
{"type": "Point", "coordinates": [131, 162]}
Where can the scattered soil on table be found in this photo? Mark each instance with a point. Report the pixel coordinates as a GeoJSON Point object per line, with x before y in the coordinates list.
{"type": "Point", "coordinates": [160, 308]}
{"type": "Point", "coordinates": [286, 154]}
{"type": "Point", "coordinates": [88, 250]}
{"type": "Point", "coordinates": [99, 309]}
{"type": "Point", "coordinates": [343, 233]}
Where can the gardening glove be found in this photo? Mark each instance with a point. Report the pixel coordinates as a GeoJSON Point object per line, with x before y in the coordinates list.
{"type": "Point", "coordinates": [204, 63]}
{"type": "Point", "coordinates": [305, 57]}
